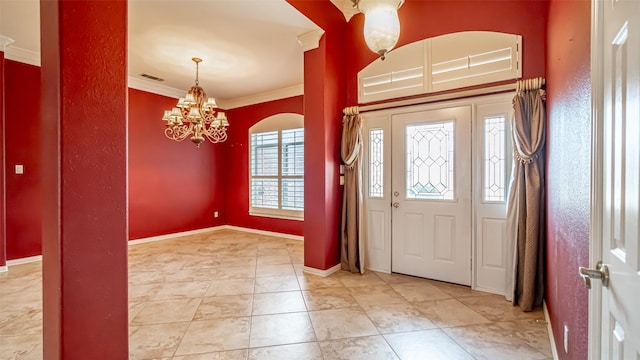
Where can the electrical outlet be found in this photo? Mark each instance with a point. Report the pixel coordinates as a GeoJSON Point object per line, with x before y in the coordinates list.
{"type": "Point", "coordinates": [215, 214]}
{"type": "Point", "coordinates": [566, 338]}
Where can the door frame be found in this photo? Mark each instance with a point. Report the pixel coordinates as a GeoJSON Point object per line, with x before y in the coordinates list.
{"type": "Point", "coordinates": [597, 181]}
{"type": "Point", "coordinates": [472, 101]}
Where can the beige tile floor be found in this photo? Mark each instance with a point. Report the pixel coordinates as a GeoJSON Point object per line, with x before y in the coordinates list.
{"type": "Point", "coordinates": [234, 295]}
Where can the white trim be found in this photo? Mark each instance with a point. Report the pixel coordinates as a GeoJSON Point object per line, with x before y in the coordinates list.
{"type": "Point", "coordinates": [310, 40]}
{"type": "Point", "coordinates": [552, 340]}
{"type": "Point", "coordinates": [174, 235]}
{"type": "Point", "coordinates": [25, 260]}
{"type": "Point", "coordinates": [33, 58]}
{"type": "Point", "coordinates": [346, 7]}
{"type": "Point", "coordinates": [155, 88]}
{"type": "Point", "coordinates": [266, 96]}
{"type": "Point", "coordinates": [442, 97]}
{"type": "Point", "coordinates": [264, 232]}
{"type": "Point", "coordinates": [323, 273]}
{"type": "Point", "coordinates": [597, 181]}
{"type": "Point", "coordinates": [22, 55]}
{"type": "Point", "coordinates": [275, 216]}
{"type": "Point", "coordinates": [5, 41]}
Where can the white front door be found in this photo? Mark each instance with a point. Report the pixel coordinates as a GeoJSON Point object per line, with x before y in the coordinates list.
{"type": "Point", "coordinates": [620, 331]}
{"type": "Point", "coordinates": [431, 194]}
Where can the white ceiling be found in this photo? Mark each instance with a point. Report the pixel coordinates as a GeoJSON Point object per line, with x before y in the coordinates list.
{"type": "Point", "coordinates": [248, 46]}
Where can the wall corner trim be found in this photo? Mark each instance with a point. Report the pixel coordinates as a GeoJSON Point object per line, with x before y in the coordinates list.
{"type": "Point", "coordinates": [323, 273]}
{"type": "Point", "coordinates": [155, 88]}
{"type": "Point", "coordinates": [554, 350]}
{"type": "Point", "coordinates": [186, 233]}
{"type": "Point", "coordinates": [25, 260]}
{"type": "Point", "coordinates": [22, 55]}
{"type": "Point", "coordinates": [173, 235]}
{"type": "Point", "coordinates": [263, 232]}
{"type": "Point", "coordinates": [5, 41]}
{"type": "Point", "coordinates": [310, 40]}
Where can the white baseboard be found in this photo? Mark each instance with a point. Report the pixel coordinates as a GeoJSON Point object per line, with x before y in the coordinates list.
{"type": "Point", "coordinates": [323, 273]}
{"type": "Point", "coordinates": [174, 235]}
{"type": "Point", "coordinates": [384, 271]}
{"type": "Point", "coordinates": [554, 351]}
{"type": "Point", "coordinates": [487, 290]}
{"type": "Point", "coordinates": [25, 260]}
{"type": "Point", "coordinates": [263, 232]}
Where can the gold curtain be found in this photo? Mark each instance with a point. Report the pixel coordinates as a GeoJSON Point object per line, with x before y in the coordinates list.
{"type": "Point", "coordinates": [351, 254]}
{"type": "Point", "coordinates": [525, 213]}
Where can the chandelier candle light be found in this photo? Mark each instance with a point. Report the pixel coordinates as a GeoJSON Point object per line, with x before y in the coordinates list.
{"type": "Point", "coordinates": [195, 116]}
{"type": "Point", "coordinates": [381, 24]}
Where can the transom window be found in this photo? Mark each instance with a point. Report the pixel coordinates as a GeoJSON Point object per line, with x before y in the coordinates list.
{"type": "Point", "coordinates": [276, 185]}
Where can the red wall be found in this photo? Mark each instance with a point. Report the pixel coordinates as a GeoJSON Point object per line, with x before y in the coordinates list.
{"type": "Point", "coordinates": [568, 174]}
{"type": "Point", "coordinates": [172, 185]}
{"type": "Point", "coordinates": [22, 146]}
{"type": "Point", "coordinates": [233, 182]}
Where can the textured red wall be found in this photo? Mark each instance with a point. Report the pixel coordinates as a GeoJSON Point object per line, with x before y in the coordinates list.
{"type": "Point", "coordinates": [22, 146]}
{"type": "Point", "coordinates": [171, 184]}
{"type": "Point", "coordinates": [84, 179]}
{"type": "Point", "coordinates": [568, 174]}
{"type": "Point", "coordinates": [234, 167]}
{"type": "Point", "coordinates": [3, 243]}
{"type": "Point", "coordinates": [324, 100]}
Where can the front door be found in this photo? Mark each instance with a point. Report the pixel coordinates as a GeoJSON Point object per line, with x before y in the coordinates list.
{"type": "Point", "coordinates": [431, 194]}
{"type": "Point", "coordinates": [620, 331]}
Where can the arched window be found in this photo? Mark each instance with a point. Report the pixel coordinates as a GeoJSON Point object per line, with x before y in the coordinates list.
{"type": "Point", "coordinates": [276, 164]}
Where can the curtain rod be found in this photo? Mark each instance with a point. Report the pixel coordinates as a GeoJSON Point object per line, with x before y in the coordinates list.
{"type": "Point", "coordinates": [433, 98]}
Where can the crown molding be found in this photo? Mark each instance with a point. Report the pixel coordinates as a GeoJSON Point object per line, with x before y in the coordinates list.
{"type": "Point", "coordinates": [22, 55]}
{"type": "Point", "coordinates": [5, 41]}
{"type": "Point", "coordinates": [347, 8]}
{"type": "Point", "coordinates": [155, 88]}
{"type": "Point", "coordinates": [310, 40]}
{"type": "Point", "coordinates": [33, 58]}
{"type": "Point", "coordinates": [277, 94]}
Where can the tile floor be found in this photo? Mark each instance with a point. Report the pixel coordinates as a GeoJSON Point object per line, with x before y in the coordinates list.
{"type": "Point", "coordinates": [234, 295]}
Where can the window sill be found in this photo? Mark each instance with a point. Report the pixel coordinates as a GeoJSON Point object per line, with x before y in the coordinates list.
{"type": "Point", "coordinates": [277, 216]}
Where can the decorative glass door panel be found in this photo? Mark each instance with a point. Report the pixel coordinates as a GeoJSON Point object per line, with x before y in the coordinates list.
{"type": "Point", "coordinates": [430, 161]}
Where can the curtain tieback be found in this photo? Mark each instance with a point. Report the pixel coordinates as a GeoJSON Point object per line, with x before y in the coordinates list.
{"type": "Point", "coordinates": [526, 159]}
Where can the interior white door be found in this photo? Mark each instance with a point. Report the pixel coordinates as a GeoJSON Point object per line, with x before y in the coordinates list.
{"type": "Point", "coordinates": [620, 336]}
{"type": "Point", "coordinates": [431, 194]}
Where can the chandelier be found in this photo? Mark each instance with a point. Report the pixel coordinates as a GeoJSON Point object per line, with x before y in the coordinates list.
{"type": "Point", "coordinates": [195, 116]}
{"type": "Point", "coordinates": [381, 24]}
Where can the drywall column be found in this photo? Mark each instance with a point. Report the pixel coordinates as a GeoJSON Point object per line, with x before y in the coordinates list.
{"type": "Point", "coordinates": [84, 182]}
{"type": "Point", "coordinates": [324, 94]}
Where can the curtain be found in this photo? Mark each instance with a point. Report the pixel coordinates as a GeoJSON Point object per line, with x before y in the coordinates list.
{"type": "Point", "coordinates": [525, 212]}
{"type": "Point", "coordinates": [351, 254]}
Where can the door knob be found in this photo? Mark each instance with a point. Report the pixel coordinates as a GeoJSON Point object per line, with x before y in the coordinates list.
{"type": "Point", "coordinates": [601, 272]}
{"type": "Point", "coordinates": [395, 205]}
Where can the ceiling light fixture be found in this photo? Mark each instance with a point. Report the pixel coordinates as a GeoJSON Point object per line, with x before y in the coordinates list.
{"type": "Point", "coordinates": [195, 116]}
{"type": "Point", "coordinates": [381, 24]}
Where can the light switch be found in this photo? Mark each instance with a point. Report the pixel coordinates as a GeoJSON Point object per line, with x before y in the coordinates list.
{"type": "Point", "coordinates": [19, 169]}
